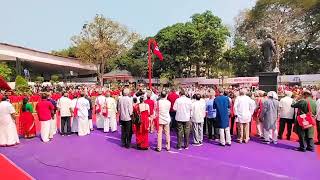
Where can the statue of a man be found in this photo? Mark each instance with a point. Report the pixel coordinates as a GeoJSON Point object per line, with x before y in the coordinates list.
{"type": "Point", "coordinates": [268, 50]}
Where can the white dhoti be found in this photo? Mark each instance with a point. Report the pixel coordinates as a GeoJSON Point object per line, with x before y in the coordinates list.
{"type": "Point", "coordinates": [110, 122]}
{"type": "Point", "coordinates": [90, 124]}
{"type": "Point", "coordinates": [83, 126]}
{"type": "Point", "coordinates": [74, 126]}
{"type": "Point", "coordinates": [100, 121]}
{"type": "Point", "coordinates": [46, 133]}
{"type": "Point", "coordinates": [53, 126]}
{"type": "Point", "coordinates": [8, 133]}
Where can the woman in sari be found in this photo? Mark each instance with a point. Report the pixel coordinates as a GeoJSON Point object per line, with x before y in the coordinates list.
{"type": "Point", "coordinates": [142, 128]}
{"type": "Point", "coordinates": [28, 125]}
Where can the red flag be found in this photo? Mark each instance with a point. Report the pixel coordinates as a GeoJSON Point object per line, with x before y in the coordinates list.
{"type": "Point", "coordinates": [156, 51]}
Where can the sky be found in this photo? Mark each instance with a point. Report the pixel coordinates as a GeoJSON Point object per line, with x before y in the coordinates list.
{"type": "Point", "coordinates": [49, 24]}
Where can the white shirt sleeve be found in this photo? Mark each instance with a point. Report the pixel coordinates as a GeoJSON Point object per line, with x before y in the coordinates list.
{"type": "Point", "coordinates": [11, 109]}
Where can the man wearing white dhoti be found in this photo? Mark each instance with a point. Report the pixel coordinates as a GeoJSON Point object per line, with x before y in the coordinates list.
{"type": "Point", "coordinates": [100, 104]}
{"type": "Point", "coordinates": [44, 109]}
{"type": "Point", "coordinates": [110, 114]}
{"type": "Point", "coordinates": [8, 130]}
{"type": "Point", "coordinates": [74, 124]}
{"type": "Point", "coordinates": [83, 107]}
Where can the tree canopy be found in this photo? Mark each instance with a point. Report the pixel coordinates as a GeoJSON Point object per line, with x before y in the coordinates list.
{"type": "Point", "coordinates": [295, 27]}
{"type": "Point", "coordinates": [102, 40]}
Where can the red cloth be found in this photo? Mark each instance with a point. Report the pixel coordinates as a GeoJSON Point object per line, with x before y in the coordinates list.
{"type": "Point", "coordinates": [156, 51]}
{"type": "Point", "coordinates": [27, 124]}
{"type": "Point", "coordinates": [172, 97]}
{"type": "Point", "coordinates": [44, 109]}
{"type": "Point", "coordinates": [151, 105]}
{"type": "Point", "coordinates": [142, 130]}
{"type": "Point", "coordinates": [3, 84]}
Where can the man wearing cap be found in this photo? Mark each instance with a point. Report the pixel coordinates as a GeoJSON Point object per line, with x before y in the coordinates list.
{"type": "Point", "coordinates": [305, 135]}
{"type": "Point", "coordinates": [269, 116]}
{"type": "Point", "coordinates": [286, 114]}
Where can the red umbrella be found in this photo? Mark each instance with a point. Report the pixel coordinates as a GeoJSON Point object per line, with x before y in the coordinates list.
{"type": "Point", "coordinates": [4, 85]}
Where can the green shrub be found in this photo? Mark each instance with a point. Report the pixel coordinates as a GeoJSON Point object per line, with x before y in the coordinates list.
{"type": "Point", "coordinates": [55, 78]}
{"type": "Point", "coordinates": [22, 86]}
{"type": "Point", "coordinates": [39, 79]}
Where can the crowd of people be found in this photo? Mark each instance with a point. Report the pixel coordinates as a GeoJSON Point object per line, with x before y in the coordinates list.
{"type": "Point", "coordinates": [215, 113]}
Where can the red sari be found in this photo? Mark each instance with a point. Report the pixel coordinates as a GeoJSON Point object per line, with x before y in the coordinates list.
{"type": "Point", "coordinates": [142, 130]}
{"type": "Point", "coordinates": [28, 125]}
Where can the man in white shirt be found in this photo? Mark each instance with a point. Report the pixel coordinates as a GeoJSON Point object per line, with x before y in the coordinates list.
{"type": "Point", "coordinates": [100, 104]}
{"type": "Point", "coordinates": [318, 118]}
{"type": "Point", "coordinates": [197, 117]}
{"type": "Point", "coordinates": [286, 115]}
{"type": "Point", "coordinates": [65, 109]}
{"type": "Point", "coordinates": [244, 107]}
{"type": "Point", "coordinates": [83, 106]}
{"type": "Point", "coordinates": [183, 106]}
{"type": "Point", "coordinates": [164, 120]}
{"type": "Point", "coordinates": [111, 108]}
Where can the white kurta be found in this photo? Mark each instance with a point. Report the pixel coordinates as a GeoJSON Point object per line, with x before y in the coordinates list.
{"type": "Point", "coordinates": [8, 130]}
{"type": "Point", "coordinates": [110, 121]}
{"type": "Point", "coordinates": [74, 124]}
{"type": "Point", "coordinates": [83, 106]}
{"type": "Point", "coordinates": [244, 107]}
{"type": "Point", "coordinates": [198, 111]}
{"type": "Point", "coordinates": [101, 100]}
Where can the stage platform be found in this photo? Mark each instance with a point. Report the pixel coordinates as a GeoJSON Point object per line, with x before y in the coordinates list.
{"type": "Point", "coordinates": [99, 156]}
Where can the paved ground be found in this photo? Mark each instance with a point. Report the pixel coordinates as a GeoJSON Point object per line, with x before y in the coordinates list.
{"type": "Point", "coordinates": [99, 156]}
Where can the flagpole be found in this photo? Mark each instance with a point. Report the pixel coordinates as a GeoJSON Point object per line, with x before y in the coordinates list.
{"type": "Point", "coordinates": [149, 63]}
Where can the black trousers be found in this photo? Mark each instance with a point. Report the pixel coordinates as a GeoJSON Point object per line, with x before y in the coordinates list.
{"type": "Point", "coordinates": [232, 124]}
{"type": "Point", "coordinates": [65, 125]}
{"type": "Point", "coordinates": [212, 125]}
{"type": "Point", "coordinates": [283, 122]}
{"type": "Point", "coordinates": [183, 131]}
{"type": "Point", "coordinates": [126, 133]}
{"type": "Point", "coordinates": [173, 123]}
{"type": "Point", "coordinates": [205, 126]}
{"type": "Point", "coordinates": [318, 130]}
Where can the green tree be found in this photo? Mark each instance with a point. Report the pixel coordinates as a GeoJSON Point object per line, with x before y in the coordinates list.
{"type": "Point", "coordinates": [245, 60]}
{"type": "Point", "coordinates": [55, 78]}
{"type": "Point", "coordinates": [68, 52]}
{"type": "Point", "coordinates": [102, 40]}
{"type": "Point", "coordinates": [197, 44]}
{"type": "Point", "coordinates": [5, 71]}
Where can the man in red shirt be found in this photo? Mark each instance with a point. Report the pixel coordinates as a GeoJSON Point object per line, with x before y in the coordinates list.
{"type": "Point", "coordinates": [44, 109]}
{"type": "Point", "coordinates": [172, 97]}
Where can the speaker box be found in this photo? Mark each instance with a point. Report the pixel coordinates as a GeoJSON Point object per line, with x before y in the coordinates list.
{"type": "Point", "coordinates": [268, 81]}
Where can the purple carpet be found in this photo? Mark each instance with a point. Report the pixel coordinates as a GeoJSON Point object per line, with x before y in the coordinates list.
{"type": "Point", "coordinates": [99, 156]}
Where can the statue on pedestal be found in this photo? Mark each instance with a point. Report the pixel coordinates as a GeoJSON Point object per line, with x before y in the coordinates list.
{"type": "Point", "coordinates": [269, 50]}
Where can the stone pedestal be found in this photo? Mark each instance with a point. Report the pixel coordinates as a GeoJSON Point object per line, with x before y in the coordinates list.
{"type": "Point", "coordinates": [268, 81]}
